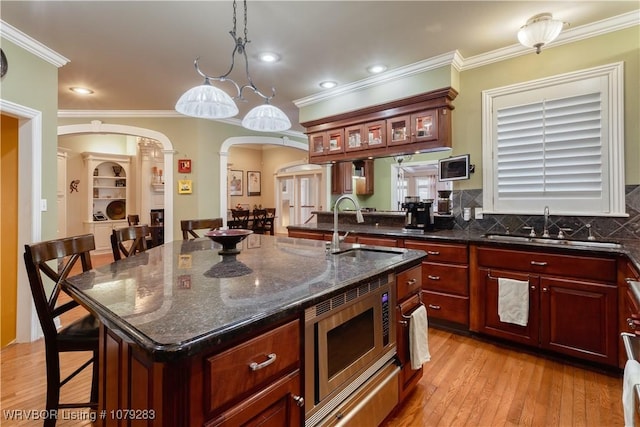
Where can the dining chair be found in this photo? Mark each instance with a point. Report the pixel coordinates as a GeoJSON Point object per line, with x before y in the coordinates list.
{"type": "Point", "coordinates": [136, 234]}
{"type": "Point", "coordinates": [262, 222]}
{"type": "Point", "coordinates": [189, 226]}
{"type": "Point", "coordinates": [80, 335]}
{"type": "Point", "coordinates": [133, 220]}
{"type": "Point", "coordinates": [240, 218]}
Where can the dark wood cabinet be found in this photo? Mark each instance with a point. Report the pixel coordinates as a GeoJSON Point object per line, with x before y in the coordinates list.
{"type": "Point", "coordinates": [445, 281]}
{"type": "Point", "coordinates": [408, 288]}
{"type": "Point", "coordinates": [342, 178]}
{"type": "Point", "coordinates": [572, 301]}
{"type": "Point", "coordinates": [364, 177]}
{"type": "Point", "coordinates": [414, 128]}
{"type": "Point", "coordinates": [326, 143]}
{"type": "Point", "coordinates": [412, 125]}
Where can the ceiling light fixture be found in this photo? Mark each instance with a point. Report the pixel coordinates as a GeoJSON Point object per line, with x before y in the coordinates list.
{"type": "Point", "coordinates": [328, 84]}
{"type": "Point", "coordinates": [269, 57]}
{"type": "Point", "coordinates": [376, 69]}
{"type": "Point", "coordinates": [209, 102]}
{"type": "Point", "coordinates": [540, 30]}
{"type": "Point", "coordinates": [81, 90]}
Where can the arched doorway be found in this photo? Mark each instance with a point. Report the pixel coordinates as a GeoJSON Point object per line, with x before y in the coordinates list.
{"type": "Point", "coordinates": [97, 126]}
{"type": "Point", "coordinates": [246, 140]}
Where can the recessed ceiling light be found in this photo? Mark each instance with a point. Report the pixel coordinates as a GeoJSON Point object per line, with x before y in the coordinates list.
{"type": "Point", "coordinates": [269, 57]}
{"type": "Point", "coordinates": [328, 84]}
{"type": "Point", "coordinates": [81, 90]}
{"type": "Point", "coordinates": [375, 69]}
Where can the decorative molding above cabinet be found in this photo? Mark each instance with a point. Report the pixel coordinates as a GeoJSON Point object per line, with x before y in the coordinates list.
{"type": "Point", "coordinates": [412, 125]}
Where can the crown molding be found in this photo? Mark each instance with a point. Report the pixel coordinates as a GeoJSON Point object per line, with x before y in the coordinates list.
{"type": "Point", "coordinates": [458, 62]}
{"type": "Point", "coordinates": [31, 45]}
{"type": "Point", "coordinates": [397, 73]}
{"type": "Point", "coordinates": [92, 114]}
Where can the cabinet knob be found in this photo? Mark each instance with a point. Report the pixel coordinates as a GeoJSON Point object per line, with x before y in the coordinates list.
{"type": "Point", "coordinates": [545, 289]}
{"type": "Point", "coordinates": [299, 400]}
{"type": "Point", "coordinates": [533, 287]}
{"type": "Point", "coordinates": [631, 323]}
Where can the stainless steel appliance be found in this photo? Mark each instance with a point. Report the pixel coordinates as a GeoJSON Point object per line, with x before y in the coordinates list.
{"type": "Point", "coordinates": [419, 214]}
{"type": "Point", "coordinates": [349, 338]}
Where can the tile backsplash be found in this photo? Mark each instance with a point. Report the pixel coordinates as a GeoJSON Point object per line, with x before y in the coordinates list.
{"type": "Point", "coordinates": [602, 227]}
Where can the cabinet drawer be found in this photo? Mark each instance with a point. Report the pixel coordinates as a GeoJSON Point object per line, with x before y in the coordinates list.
{"type": "Point", "coordinates": [230, 374]}
{"type": "Point", "coordinates": [377, 241]}
{"type": "Point", "coordinates": [408, 282]}
{"type": "Point", "coordinates": [448, 278]}
{"type": "Point", "coordinates": [306, 234]}
{"type": "Point", "coordinates": [439, 252]}
{"type": "Point", "coordinates": [446, 307]}
{"type": "Point", "coordinates": [591, 268]}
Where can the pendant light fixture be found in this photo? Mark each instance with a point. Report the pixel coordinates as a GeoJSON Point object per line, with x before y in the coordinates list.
{"type": "Point", "coordinates": [539, 31]}
{"type": "Point", "coordinates": [209, 102]}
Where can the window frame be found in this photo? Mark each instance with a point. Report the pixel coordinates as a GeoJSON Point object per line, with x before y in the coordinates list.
{"type": "Point", "coordinates": [612, 141]}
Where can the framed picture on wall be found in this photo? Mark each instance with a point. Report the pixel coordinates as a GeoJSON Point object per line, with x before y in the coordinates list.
{"type": "Point", "coordinates": [184, 166]}
{"type": "Point", "coordinates": [253, 183]}
{"type": "Point", "coordinates": [185, 186]}
{"type": "Point", "coordinates": [235, 182]}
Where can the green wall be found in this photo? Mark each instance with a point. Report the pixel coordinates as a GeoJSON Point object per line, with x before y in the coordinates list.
{"type": "Point", "coordinates": [623, 45]}
{"type": "Point", "coordinates": [33, 82]}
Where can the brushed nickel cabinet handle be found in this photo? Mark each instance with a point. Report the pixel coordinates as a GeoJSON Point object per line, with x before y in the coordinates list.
{"type": "Point", "coordinates": [433, 252]}
{"type": "Point", "coordinates": [433, 277]}
{"type": "Point", "coordinates": [434, 307]}
{"type": "Point", "coordinates": [539, 263]}
{"type": "Point", "coordinates": [411, 282]}
{"type": "Point", "coordinates": [254, 366]}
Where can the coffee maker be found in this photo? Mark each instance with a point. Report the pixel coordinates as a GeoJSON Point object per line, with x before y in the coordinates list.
{"type": "Point", "coordinates": [418, 214]}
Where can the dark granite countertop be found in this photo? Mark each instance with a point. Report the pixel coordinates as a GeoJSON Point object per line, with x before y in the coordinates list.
{"type": "Point", "coordinates": [628, 247]}
{"type": "Point", "coordinates": [179, 299]}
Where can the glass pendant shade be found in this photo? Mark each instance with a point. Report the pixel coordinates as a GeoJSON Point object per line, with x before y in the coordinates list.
{"type": "Point", "coordinates": [266, 118]}
{"type": "Point", "coordinates": [539, 31]}
{"type": "Point", "coordinates": [207, 102]}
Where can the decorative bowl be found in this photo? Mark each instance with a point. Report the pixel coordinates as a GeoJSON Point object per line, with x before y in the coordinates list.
{"type": "Point", "coordinates": [228, 239]}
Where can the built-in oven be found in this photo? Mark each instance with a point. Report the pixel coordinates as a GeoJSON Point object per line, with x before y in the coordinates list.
{"type": "Point", "coordinates": [348, 338]}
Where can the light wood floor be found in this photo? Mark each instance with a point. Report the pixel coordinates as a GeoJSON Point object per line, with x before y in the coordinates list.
{"type": "Point", "coordinates": [468, 382]}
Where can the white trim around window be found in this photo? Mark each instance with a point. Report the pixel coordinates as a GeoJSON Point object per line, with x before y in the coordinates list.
{"type": "Point", "coordinates": [556, 142]}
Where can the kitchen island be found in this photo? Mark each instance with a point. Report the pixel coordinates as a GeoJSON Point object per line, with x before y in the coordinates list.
{"type": "Point", "coordinates": [179, 321]}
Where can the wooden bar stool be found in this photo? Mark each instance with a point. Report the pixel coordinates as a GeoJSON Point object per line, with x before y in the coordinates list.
{"type": "Point", "coordinates": [189, 226]}
{"type": "Point", "coordinates": [81, 335]}
{"type": "Point", "coordinates": [136, 234]}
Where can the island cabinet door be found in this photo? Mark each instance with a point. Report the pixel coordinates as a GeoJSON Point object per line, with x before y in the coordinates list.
{"type": "Point", "coordinates": [408, 377]}
{"type": "Point", "coordinates": [278, 405]}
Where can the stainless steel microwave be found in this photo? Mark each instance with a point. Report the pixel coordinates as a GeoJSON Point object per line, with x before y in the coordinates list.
{"type": "Point", "coordinates": [347, 339]}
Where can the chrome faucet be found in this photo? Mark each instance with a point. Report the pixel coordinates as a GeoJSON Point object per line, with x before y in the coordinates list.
{"type": "Point", "coordinates": [545, 230]}
{"type": "Point", "coordinates": [336, 239]}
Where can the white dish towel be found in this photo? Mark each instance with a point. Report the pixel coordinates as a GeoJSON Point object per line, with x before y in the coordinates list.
{"type": "Point", "coordinates": [631, 378]}
{"type": "Point", "coordinates": [513, 301]}
{"type": "Point", "coordinates": [419, 338]}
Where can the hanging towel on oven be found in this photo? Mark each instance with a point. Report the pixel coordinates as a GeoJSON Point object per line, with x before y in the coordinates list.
{"type": "Point", "coordinates": [631, 378]}
{"type": "Point", "coordinates": [419, 338]}
{"type": "Point", "coordinates": [513, 301]}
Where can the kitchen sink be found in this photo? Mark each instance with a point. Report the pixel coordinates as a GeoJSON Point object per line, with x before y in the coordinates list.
{"type": "Point", "coordinates": [367, 254]}
{"type": "Point", "coordinates": [551, 241]}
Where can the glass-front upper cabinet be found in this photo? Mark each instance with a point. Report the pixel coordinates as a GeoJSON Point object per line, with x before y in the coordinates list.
{"type": "Point", "coordinates": [375, 134]}
{"type": "Point", "coordinates": [416, 127]}
{"type": "Point", "coordinates": [355, 138]}
{"type": "Point", "coordinates": [329, 142]}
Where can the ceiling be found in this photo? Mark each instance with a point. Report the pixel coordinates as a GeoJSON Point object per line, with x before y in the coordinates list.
{"type": "Point", "coordinates": [138, 55]}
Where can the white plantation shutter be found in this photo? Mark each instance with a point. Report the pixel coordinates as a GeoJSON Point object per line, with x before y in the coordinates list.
{"type": "Point", "coordinates": [550, 149]}
{"type": "Point", "coordinates": [554, 144]}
